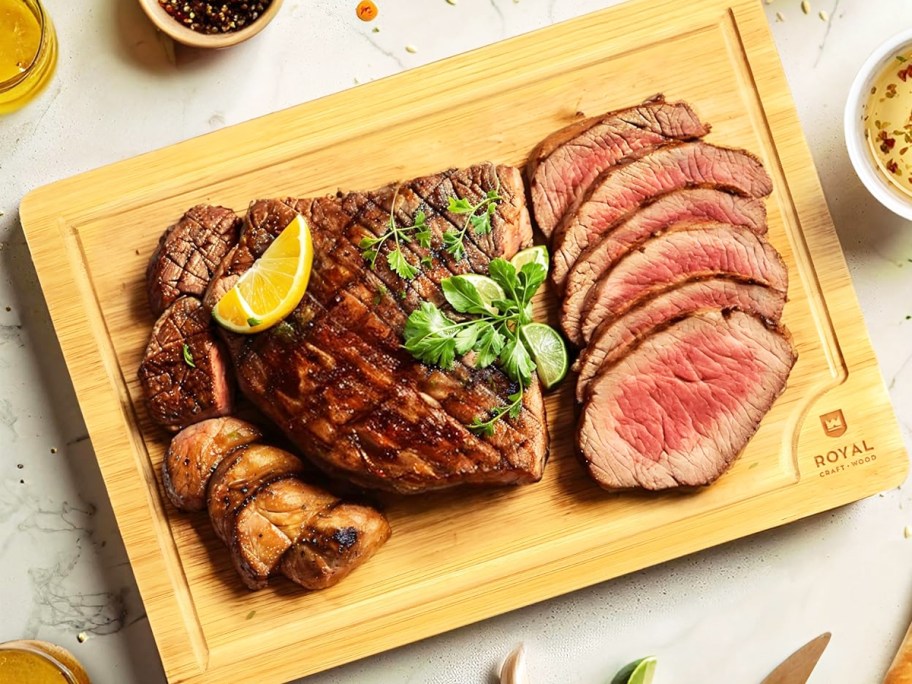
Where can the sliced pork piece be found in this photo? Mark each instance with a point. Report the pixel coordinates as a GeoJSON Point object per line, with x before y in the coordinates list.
{"type": "Point", "coordinates": [334, 375]}
{"type": "Point", "coordinates": [612, 340]}
{"type": "Point", "coordinates": [184, 372]}
{"type": "Point", "coordinates": [311, 536]}
{"type": "Point", "coordinates": [565, 163]}
{"type": "Point", "coordinates": [188, 254]}
{"type": "Point", "coordinates": [195, 453]}
{"type": "Point", "coordinates": [703, 250]}
{"type": "Point", "coordinates": [623, 189]}
{"type": "Point", "coordinates": [271, 520]}
{"type": "Point", "coordinates": [680, 407]}
{"type": "Point", "coordinates": [696, 204]}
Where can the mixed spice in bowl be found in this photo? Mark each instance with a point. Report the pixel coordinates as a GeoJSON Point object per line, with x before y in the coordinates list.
{"type": "Point", "coordinates": [213, 24]}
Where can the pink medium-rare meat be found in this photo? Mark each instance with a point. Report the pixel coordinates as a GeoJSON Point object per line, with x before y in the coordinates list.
{"type": "Point", "coordinates": [679, 408]}
{"type": "Point", "coordinates": [564, 164]}
{"type": "Point", "coordinates": [334, 377]}
{"type": "Point", "coordinates": [702, 250]}
{"type": "Point", "coordinates": [612, 340]}
{"type": "Point", "coordinates": [184, 373]}
{"type": "Point", "coordinates": [692, 204]}
{"type": "Point", "coordinates": [623, 189]}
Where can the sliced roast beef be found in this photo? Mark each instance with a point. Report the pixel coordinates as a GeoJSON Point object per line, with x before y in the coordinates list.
{"type": "Point", "coordinates": [612, 340]}
{"type": "Point", "coordinates": [334, 376]}
{"type": "Point", "coordinates": [697, 204]}
{"type": "Point", "coordinates": [680, 407]}
{"type": "Point", "coordinates": [563, 165]}
{"type": "Point", "coordinates": [623, 189]}
{"type": "Point", "coordinates": [703, 250]}
{"type": "Point", "coordinates": [188, 254]}
{"type": "Point", "coordinates": [184, 372]}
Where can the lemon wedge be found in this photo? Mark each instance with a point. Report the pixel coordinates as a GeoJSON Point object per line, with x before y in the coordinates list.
{"type": "Point", "coordinates": [273, 286]}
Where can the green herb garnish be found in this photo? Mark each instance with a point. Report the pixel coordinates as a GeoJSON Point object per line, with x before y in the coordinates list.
{"type": "Point", "coordinates": [454, 240]}
{"type": "Point", "coordinates": [492, 333]}
{"type": "Point", "coordinates": [188, 356]}
{"type": "Point", "coordinates": [419, 230]}
{"type": "Point", "coordinates": [253, 322]}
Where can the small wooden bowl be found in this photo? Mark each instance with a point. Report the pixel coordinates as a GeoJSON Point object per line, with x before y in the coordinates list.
{"type": "Point", "coordinates": [171, 27]}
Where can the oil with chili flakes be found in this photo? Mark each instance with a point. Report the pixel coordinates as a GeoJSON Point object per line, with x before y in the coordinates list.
{"type": "Point", "coordinates": [218, 16]}
{"type": "Point", "coordinates": [888, 122]}
{"type": "Point", "coordinates": [366, 10]}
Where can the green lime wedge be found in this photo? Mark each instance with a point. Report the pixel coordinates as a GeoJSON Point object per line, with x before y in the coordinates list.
{"type": "Point", "coordinates": [638, 672]}
{"type": "Point", "coordinates": [548, 350]}
{"type": "Point", "coordinates": [538, 254]}
{"type": "Point", "coordinates": [488, 290]}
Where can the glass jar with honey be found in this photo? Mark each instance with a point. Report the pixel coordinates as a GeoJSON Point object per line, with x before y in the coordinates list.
{"type": "Point", "coordinates": [28, 52]}
{"type": "Point", "coordinates": [39, 662]}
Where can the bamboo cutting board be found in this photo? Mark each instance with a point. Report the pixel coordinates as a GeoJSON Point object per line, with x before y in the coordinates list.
{"type": "Point", "coordinates": [460, 557]}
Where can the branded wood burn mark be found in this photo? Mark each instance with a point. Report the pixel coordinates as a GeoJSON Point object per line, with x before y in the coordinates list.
{"type": "Point", "coordinates": [834, 423]}
{"type": "Point", "coordinates": [844, 457]}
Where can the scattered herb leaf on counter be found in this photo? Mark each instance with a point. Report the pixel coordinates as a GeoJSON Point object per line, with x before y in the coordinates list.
{"type": "Point", "coordinates": [188, 356]}
{"type": "Point", "coordinates": [493, 333]}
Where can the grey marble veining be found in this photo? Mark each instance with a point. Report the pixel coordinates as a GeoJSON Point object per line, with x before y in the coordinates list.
{"type": "Point", "coordinates": [728, 614]}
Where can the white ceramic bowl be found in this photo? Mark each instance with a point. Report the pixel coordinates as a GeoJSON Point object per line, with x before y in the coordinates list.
{"type": "Point", "coordinates": [892, 198]}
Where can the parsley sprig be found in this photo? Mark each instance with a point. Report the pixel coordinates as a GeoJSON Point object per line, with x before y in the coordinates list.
{"type": "Point", "coordinates": [480, 223]}
{"type": "Point", "coordinates": [370, 245]}
{"type": "Point", "coordinates": [492, 332]}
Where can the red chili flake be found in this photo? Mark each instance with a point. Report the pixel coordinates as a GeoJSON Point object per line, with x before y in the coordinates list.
{"type": "Point", "coordinates": [893, 167]}
{"type": "Point", "coordinates": [366, 10]}
{"type": "Point", "coordinates": [219, 16]}
{"type": "Point", "coordinates": [905, 73]}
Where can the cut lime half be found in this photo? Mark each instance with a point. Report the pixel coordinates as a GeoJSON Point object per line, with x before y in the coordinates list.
{"type": "Point", "coordinates": [488, 290]}
{"type": "Point", "coordinates": [538, 254]}
{"type": "Point", "coordinates": [638, 672]}
{"type": "Point", "coordinates": [548, 350]}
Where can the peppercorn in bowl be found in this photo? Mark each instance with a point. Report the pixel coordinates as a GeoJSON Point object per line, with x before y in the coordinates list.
{"type": "Point", "coordinates": [210, 23]}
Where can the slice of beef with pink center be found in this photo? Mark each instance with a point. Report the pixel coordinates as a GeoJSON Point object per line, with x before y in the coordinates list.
{"type": "Point", "coordinates": [699, 251]}
{"type": "Point", "coordinates": [679, 409]}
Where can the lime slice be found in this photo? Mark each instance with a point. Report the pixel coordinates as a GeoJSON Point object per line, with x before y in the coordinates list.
{"type": "Point", "coordinates": [548, 350]}
{"type": "Point", "coordinates": [538, 254]}
{"type": "Point", "coordinates": [488, 290]}
{"type": "Point", "coordinates": [638, 672]}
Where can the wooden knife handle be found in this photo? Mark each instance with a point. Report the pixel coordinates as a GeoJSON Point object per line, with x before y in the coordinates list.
{"type": "Point", "coordinates": [900, 671]}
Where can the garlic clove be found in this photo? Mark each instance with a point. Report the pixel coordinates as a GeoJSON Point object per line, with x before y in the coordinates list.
{"type": "Point", "coordinates": [513, 670]}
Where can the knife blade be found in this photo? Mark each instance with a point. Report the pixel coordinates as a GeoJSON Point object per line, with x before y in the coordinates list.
{"type": "Point", "coordinates": [797, 668]}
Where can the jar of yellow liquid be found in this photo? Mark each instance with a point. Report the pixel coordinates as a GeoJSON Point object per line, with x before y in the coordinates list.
{"type": "Point", "coordinates": [39, 662]}
{"type": "Point", "coordinates": [28, 52]}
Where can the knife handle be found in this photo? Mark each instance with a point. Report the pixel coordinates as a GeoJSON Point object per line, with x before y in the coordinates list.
{"type": "Point", "coordinates": [900, 671]}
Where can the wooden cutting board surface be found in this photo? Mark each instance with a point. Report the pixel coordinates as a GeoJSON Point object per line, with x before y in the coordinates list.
{"type": "Point", "coordinates": [460, 557]}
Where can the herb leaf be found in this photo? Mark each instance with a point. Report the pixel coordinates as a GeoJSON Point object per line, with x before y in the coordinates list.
{"type": "Point", "coordinates": [463, 296]}
{"type": "Point", "coordinates": [370, 244]}
{"type": "Point", "coordinates": [430, 336]}
{"type": "Point", "coordinates": [188, 356]}
{"type": "Point", "coordinates": [516, 361]}
{"type": "Point", "coordinates": [398, 263]}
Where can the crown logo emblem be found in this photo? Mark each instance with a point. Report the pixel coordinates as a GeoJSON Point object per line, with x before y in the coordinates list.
{"type": "Point", "coordinates": [834, 423]}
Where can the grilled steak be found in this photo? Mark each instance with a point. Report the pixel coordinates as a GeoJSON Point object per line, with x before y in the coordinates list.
{"type": "Point", "coordinates": [612, 340]}
{"type": "Point", "coordinates": [697, 251]}
{"type": "Point", "coordinates": [683, 205]}
{"type": "Point", "coordinates": [188, 254]}
{"type": "Point", "coordinates": [564, 164]}
{"type": "Point", "coordinates": [622, 189]}
{"type": "Point", "coordinates": [680, 407]}
{"type": "Point", "coordinates": [183, 372]}
{"type": "Point", "coordinates": [271, 520]}
{"type": "Point", "coordinates": [333, 375]}
{"type": "Point", "coordinates": [194, 454]}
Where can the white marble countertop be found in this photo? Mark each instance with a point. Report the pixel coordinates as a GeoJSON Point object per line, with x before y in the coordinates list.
{"type": "Point", "coordinates": [725, 615]}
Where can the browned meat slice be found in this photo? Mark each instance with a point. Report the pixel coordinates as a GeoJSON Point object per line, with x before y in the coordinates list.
{"type": "Point", "coordinates": [271, 520]}
{"type": "Point", "coordinates": [612, 340]}
{"type": "Point", "coordinates": [239, 476]}
{"type": "Point", "coordinates": [680, 407]}
{"type": "Point", "coordinates": [183, 372]}
{"type": "Point", "coordinates": [314, 538]}
{"type": "Point", "coordinates": [699, 251]}
{"type": "Point", "coordinates": [696, 204]}
{"type": "Point", "coordinates": [623, 189]}
{"type": "Point", "coordinates": [188, 254]}
{"type": "Point", "coordinates": [195, 453]}
{"type": "Point", "coordinates": [333, 375]}
{"type": "Point", "coordinates": [565, 163]}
